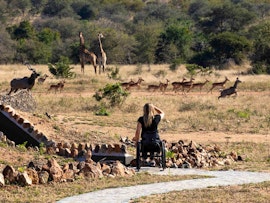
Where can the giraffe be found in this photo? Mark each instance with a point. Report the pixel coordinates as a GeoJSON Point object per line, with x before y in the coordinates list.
{"type": "Point", "coordinates": [86, 55]}
{"type": "Point", "coordinates": [103, 58]}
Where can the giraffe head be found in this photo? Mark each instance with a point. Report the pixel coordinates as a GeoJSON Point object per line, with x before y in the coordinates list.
{"type": "Point", "coordinates": [100, 35]}
{"type": "Point", "coordinates": [80, 34]}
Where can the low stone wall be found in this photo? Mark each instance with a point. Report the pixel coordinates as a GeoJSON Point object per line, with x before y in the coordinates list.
{"type": "Point", "coordinates": [98, 152]}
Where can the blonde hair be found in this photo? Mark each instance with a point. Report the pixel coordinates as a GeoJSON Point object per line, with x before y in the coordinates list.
{"type": "Point", "coordinates": [148, 114]}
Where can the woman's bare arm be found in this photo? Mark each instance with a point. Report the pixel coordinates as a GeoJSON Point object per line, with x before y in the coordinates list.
{"type": "Point", "coordinates": [160, 112]}
{"type": "Point", "coordinates": [138, 132]}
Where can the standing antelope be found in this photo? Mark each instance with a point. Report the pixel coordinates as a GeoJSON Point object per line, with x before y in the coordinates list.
{"type": "Point", "coordinates": [24, 83]}
{"type": "Point", "coordinates": [218, 84]}
{"type": "Point", "coordinates": [59, 86]}
{"type": "Point", "coordinates": [136, 84]}
{"type": "Point", "coordinates": [231, 90]}
{"type": "Point", "coordinates": [199, 84]}
{"type": "Point", "coordinates": [42, 79]}
{"type": "Point", "coordinates": [164, 86]}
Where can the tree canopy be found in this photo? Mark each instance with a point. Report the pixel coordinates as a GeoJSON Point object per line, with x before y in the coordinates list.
{"type": "Point", "coordinates": [206, 33]}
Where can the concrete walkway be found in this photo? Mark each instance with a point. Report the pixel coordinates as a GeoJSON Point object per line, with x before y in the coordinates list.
{"type": "Point", "coordinates": [124, 194]}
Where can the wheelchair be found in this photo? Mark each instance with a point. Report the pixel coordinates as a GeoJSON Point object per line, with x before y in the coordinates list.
{"type": "Point", "coordinates": [156, 147]}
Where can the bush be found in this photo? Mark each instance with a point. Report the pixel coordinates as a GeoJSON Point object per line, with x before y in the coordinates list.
{"type": "Point", "coordinates": [175, 64]}
{"type": "Point", "coordinates": [62, 68]}
{"type": "Point", "coordinates": [113, 73]}
{"type": "Point", "coordinates": [260, 68]}
{"type": "Point", "coordinates": [102, 111]}
{"type": "Point", "coordinates": [113, 93]}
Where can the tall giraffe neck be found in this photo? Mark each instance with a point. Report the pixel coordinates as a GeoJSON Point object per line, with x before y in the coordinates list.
{"type": "Point", "coordinates": [81, 40]}
{"type": "Point", "coordinates": [100, 44]}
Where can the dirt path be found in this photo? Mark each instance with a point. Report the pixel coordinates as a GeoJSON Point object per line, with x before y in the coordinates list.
{"type": "Point", "coordinates": [206, 137]}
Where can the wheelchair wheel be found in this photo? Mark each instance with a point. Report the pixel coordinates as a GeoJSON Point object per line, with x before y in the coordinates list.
{"type": "Point", "coordinates": [163, 156]}
{"type": "Point", "coordinates": [138, 156]}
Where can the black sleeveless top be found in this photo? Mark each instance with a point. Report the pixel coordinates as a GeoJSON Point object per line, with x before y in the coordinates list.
{"type": "Point", "coordinates": [154, 126]}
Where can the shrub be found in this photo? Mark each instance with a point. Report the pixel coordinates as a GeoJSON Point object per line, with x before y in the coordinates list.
{"type": "Point", "coordinates": [102, 111]}
{"type": "Point", "coordinates": [113, 93]}
{"type": "Point", "coordinates": [175, 64]}
{"type": "Point", "coordinates": [113, 73]}
{"type": "Point", "coordinates": [62, 68]}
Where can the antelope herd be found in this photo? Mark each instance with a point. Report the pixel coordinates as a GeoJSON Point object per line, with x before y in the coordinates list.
{"type": "Point", "coordinates": [185, 86]}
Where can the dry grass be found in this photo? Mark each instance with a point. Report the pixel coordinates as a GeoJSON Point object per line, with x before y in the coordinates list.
{"type": "Point", "coordinates": [52, 192]}
{"type": "Point", "coordinates": [240, 124]}
{"type": "Point", "coordinates": [255, 193]}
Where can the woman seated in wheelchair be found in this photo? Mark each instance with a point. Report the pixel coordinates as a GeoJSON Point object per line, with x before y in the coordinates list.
{"type": "Point", "coordinates": [147, 127]}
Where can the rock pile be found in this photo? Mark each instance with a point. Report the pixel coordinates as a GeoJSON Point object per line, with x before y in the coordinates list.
{"type": "Point", "coordinates": [22, 100]}
{"type": "Point", "coordinates": [192, 155]}
{"type": "Point", "coordinates": [42, 173]}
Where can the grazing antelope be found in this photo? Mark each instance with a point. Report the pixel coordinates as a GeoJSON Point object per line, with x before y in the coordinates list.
{"type": "Point", "coordinates": [177, 85]}
{"type": "Point", "coordinates": [199, 84]}
{"type": "Point", "coordinates": [164, 86]}
{"type": "Point", "coordinates": [218, 84]}
{"type": "Point", "coordinates": [59, 86]}
{"type": "Point", "coordinates": [136, 84]}
{"type": "Point", "coordinates": [126, 84]}
{"type": "Point", "coordinates": [25, 82]}
{"type": "Point", "coordinates": [231, 90]}
{"type": "Point", "coordinates": [42, 79]}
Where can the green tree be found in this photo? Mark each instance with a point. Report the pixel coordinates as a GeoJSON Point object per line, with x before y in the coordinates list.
{"type": "Point", "coordinates": [226, 17]}
{"type": "Point", "coordinates": [33, 51]}
{"type": "Point", "coordinates": [38, 5]}
{"type": "Point", "coordinates": [22, 5]}
{"type": "Point", "coordinates": [155, 12]}
{"type": "Point", "coordinates": [68, 28]}
{"type": "Point", "coordinates": [229, 45]}
{"type": "Point", "coordinates": [25, 30]}
{"type": "Point", "coordinates": [48, 36]}
{"type": "Point", "coordinates": [198, 9]}
{"type": "Point", "coordinates": [147, 38]}
{"type": "Point", "coordinates": [174, 43]}
{"type": "Point", "coordinates": [54, 8]}
{"type": "Point", "coordinates": [260, 57]}
{"type": "Point", "coordinates": [3, 10]}
{"type": "Point", "coordinates": [7, 47]}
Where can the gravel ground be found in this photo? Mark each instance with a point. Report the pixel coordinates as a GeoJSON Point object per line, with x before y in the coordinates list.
{"type": "Point", "coordinates": [124, 194]}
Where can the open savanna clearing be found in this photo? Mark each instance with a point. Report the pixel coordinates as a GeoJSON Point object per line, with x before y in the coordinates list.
{"type": "Point", "coordinates": [238, 124]}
